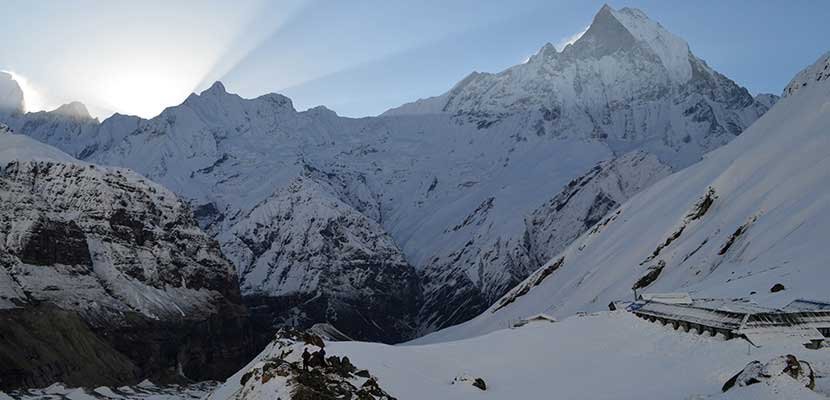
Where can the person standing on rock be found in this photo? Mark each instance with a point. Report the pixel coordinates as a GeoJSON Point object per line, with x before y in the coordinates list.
{"type": "Point", "coordinates": [306, 357]}
{"type": "Point", "coordinates": [318, 358]}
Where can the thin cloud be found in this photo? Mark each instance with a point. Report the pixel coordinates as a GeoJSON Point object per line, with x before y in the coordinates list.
{"type": "Point", "coordinates": [32, 99]}
{"type": "Point", "coordinates": [560, 45]}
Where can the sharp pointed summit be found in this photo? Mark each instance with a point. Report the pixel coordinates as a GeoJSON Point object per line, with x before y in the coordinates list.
{"type": "Point", "coordinates": [216, 89]}
{"type": "Point", "coordinates": [631, 30]}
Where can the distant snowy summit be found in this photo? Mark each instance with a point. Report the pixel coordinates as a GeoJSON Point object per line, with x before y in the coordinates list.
{"type": "Point", "coordinates": [613, 83]}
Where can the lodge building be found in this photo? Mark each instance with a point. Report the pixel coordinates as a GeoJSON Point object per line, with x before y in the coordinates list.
{"type": "Point", "coordinates": [806, 321]}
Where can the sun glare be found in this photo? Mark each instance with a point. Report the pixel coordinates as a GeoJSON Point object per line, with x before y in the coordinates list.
{"type": "Point", "coordinates": [32, 99]}
{"type": "Point", "coordinates": [143, 90]}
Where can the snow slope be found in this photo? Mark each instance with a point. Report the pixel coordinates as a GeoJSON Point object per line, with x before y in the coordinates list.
{"type": "Point", "coordinates": [599, 356]}
{"type": "Point", "coordinates": [450, 183]}
{"type": "Point", "coordinates": [20, 147]}
{"type": "Point", "coordinates": [752, 214]}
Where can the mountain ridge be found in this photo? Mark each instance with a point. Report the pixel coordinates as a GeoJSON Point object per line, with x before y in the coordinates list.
{"type": "Point", "coordinates": [452, 188]}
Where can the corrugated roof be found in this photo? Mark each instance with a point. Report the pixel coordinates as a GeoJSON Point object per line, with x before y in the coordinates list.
{"type": "Point", "coordinates": [668, 298]}
{"type": "Point", "coordinates": [807, 305]}
{"type": "Point", "coordinates": [741, 315]}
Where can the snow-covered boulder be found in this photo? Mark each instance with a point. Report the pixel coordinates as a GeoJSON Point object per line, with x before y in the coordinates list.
{"type": "Point", "coordinates": [787, 365]}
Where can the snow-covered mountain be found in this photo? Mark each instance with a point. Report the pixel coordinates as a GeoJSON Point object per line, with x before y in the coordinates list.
{"type": "Point", "coordinates": [343, 268]}
{"type": "Point", "coordinates": [767, 99]}
{"type": "Point", "coordinates": [752, 215]}
{"type": "Point", "coordinates": [103, 272]}
{"type": "Point", "coordinates": [439, 188]}
{"type": "Point", "coordinates": [11, 95]}
{"type": "Point", "coordinates": [613, 84]}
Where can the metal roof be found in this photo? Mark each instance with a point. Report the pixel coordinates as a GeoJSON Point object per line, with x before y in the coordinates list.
{"type": "Point", "coordinates": [807, 305]}
{"type": "Point", "coordinates": [668, 298]}
{"type": "Point", "coordinates": [741, 315]}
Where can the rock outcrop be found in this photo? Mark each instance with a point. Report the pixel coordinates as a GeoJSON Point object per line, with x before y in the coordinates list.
{"type": "Point", "coordinates": [112, 271]}
{"type": "Point", "coordinates": [758, 372]}
{"type": "Point", "coordinates": [294, 366]}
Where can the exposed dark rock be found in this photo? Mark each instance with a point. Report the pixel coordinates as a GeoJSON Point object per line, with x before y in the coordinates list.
{"type": "Point", "coordinates": [702, 205]}
{"type": "Point", "coordinates": [44, 344]}
{"type": "Point", "coordinates": [212, 348]}
{"type": "Point", "coordinates": [56, 242]}
{"type": "Point", "coordinates": [599, 208]}
{"type": "Point", "coordinates": [650, 276]}
{"type": "Point", "coordinates": [665, 244]}
{"type": "Point", "coordinates": [777, 288]}
{"type": "Point", "coordinates": [532, 281]}
{"type": "Point", "coordinates": [128, 228]}
{"type": "Point", "coordinates": [734, 237]}
{"type": "Point", "coordinates": [475, 382]}
{"type": "Point", "coordinates": [378, 315]}
{"type": "Point", "coordinates": [161, 301]}
{"type": "Point", "coordinates": [479, 383]}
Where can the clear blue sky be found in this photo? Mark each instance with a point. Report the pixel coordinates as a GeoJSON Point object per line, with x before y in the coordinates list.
{"type": "Point", "coordinates": [356, 57]}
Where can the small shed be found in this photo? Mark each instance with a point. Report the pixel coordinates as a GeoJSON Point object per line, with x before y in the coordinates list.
{"type": "Point", "coordinates": [533, 318]}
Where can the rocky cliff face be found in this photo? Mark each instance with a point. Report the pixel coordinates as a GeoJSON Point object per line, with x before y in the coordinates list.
{"type": "Point", "coordinates": [307, 256]}
{"type": "Point", "coordinates": [443, 185]}
{"type": "Point", "coordinates": [122, 254]}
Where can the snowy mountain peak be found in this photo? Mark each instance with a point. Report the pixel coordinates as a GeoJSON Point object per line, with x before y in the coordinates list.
{"type": "Point", "coordinates": [11, 96]}
{"type": "Point", "coordinates": [216, 89]}
{"type": "Point", "coordinates": [626, 28]}
{"type": "Point", "coordinates": [217, 96]}
{"type": "Point", "coordinates": [604, 36]}
{"type": "Point", "coordinates": [767, 99]}
{"type": "Point", "coordinates": [818, 72]}
{"type": "Point", "coordinates": [548, 51]}
{"type": "Point", "coordinates": [74, 109]}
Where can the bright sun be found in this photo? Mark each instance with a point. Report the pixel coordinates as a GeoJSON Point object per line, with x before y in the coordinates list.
{"type": "Point", "coordinates": [144, 89]}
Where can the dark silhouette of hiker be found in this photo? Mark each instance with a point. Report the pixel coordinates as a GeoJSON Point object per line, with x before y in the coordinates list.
{"type": "Point", "coordinates": [318, 358]}
{"type": "Point", "coordinates": [322, 357]}
{"type": "Point", "coordinates": [306, 357]}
